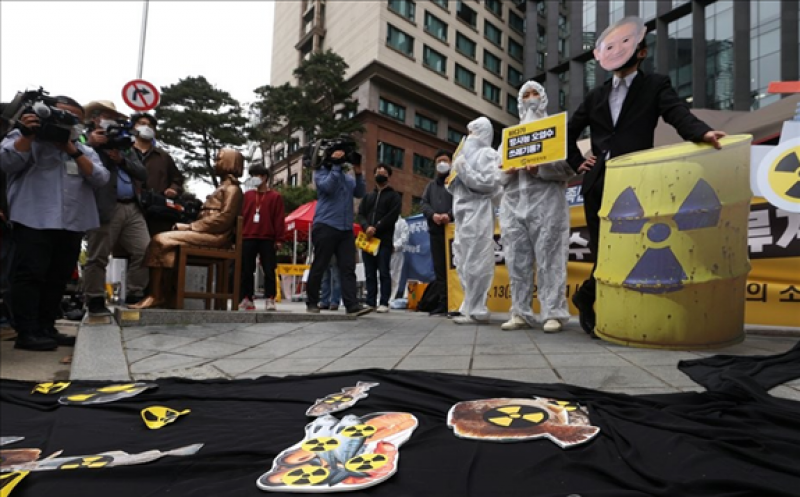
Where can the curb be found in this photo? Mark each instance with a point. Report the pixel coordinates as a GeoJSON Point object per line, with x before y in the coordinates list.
{"type": "Point", "coordinates": [159, 317]}
{"type": "Point", "coordinates": [99, 354]}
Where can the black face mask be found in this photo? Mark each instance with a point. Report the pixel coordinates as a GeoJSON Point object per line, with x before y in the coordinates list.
{"type": "Point", "coordinates": [381, 179]}
{"type": "Point", "coordinates": [631, 62]}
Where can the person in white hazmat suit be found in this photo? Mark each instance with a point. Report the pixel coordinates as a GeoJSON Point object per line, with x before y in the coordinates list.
{"type": "Point", "coordinates": [534, 226]}
{"type": "Point", "coordinates": [477, 181]}
{"type": "Point", "coordinates": [399, 241]}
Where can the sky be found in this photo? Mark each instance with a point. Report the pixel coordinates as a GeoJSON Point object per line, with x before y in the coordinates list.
{"type": "Point", "coordinates": [88, 50]}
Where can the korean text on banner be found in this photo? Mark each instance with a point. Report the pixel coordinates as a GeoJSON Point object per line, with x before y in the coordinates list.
{"type": "Point", "coordinates": [538, 142]}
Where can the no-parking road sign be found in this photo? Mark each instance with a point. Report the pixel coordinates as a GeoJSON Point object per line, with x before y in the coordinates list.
{"type": "Point", "coordinates": [140, 95]}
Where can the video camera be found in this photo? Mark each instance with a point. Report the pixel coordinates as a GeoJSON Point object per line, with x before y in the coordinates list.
{"type": "Point", "coordinates": [56, 125]}
{"type": "Point", "coordinates": [119, 135]}
{"type": "Point", "coordinates": [319, 154]}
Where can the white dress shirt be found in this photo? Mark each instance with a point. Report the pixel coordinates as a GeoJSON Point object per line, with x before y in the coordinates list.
{"type": "Point", "coordinates": [619, 91]}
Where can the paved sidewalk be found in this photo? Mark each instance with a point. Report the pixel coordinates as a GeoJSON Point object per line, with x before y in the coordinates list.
{"type": "Point", "coordinates": [398, 340]}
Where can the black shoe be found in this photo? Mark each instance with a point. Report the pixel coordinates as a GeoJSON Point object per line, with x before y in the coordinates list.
{"type": "Point", "coordinates": [323, 307]}
{"type": "Point", "coordinates": [61, 339]}
{"type": "Point", "coordinates": [35, 342]}
{"type": "Point", "coordinates": [453, 314]}
{"type": "Point", "coordinates": [440, 311]}
{"type": "Point", "coordinates": [97, 307]}
{"type": "Point", "coordinates": [133, 299]}
{"type": "Point", "coordinates": [359, 310]}
{"type": "Point", "coordinates": [312, 309]}
{"type": "Point", "coordinates": [586, 315]}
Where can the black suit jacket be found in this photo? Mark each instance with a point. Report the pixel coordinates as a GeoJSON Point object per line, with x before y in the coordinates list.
{"type": "Point", "coordinates": [650, 96]}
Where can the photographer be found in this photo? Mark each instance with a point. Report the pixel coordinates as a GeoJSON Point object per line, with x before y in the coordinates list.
{"type": "Point", "coordinates": [163, 176]}
{"type": "Point", "coordinates": [121, 218]}
{"type": "Point", "coordinates": [332, 229]}
{"type": "Point", "coordinates": [51, 181]}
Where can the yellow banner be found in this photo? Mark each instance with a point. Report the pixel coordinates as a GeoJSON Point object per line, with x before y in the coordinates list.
{"type": "Point", "coordinates": [368, 245]}
{"type": "Point", "coordinates": [538, 142]}
{"type": "Point", "coordinates": [291, 269]}
{"type": "Point", "coordinates": [773, 284]}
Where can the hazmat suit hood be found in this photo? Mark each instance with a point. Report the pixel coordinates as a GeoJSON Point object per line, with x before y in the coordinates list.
{"type": "Point", "coordinates": [481, 131]}
{"type": "Point", "coordinates": [528, 113]}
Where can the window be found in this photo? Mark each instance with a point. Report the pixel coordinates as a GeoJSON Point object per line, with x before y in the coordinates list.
{"type": "Point", "coordinates": [491, 92]}
{"type": "Point", "coordinates": [719, 55]}
{"type": "Point", "coordinates": [647, 9]}
{"type": "Point", "coordinates": [492, 33]}
{"type": "Point", "coordinates": [416, 204]}
{"type": "Point", "coordinates": [405, 8]}
{"type": "Point", "coordinates": [617, 11]}
{"type": "Point", "coordinates": [441, 3]}
{"type": "Point", "coordinates": [465, 45]}
{"type": "Point", "coordinates": [454, 136]}
{"type": "Point", "coordinates": [516, 22]}
{"type": "Point", "coordinates": [466, 14]}
{"type": "Point", "coordinates": [491, 62]}
{"type": "Point", "coordinates": [390, 155]}
{"type": "Point", "coordinates": [465, 78]}
{"type": "Point", "coordinates": [515, 50]}
{"type": "Point", "coordinates": [539, 60]}
{"type": "Point", "coordinates": [424, 166]}
{"type": "Point", "coordinates": [495, 7]}
{"type": "Point", "coordinates": [425, 124]}
{"type": "Point", "coordinates": [514, 77]}
{"type": "Point", "coordinates": [589, 34]}
{"type": "Point", "coordinates": [765, 51]}
{"type": "Point", "coordinates": [293, 180]}
{"type": "Point", "coordinates": [280, 154]}
{"type": "Point", "coordinates": [400, 41]}
{"type": "Point", "coordinates": [392, 110]}
{"type": "Point", "coordinates": [435, 26]}
{"type": "Point", "coordinates": [680, 56]}
{"type": "Point", "coordinates": [434, 60]}
{"type": "Point", "coordinates": [511, 105]}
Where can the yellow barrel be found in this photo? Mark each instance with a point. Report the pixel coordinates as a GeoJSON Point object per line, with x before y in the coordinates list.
{"type": "Point", "coordinates": [672, 262]}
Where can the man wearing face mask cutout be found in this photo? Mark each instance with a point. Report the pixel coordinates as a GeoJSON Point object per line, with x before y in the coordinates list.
{"type": "Point", "coordinates": [378, 213]}
{"type": "Point", "coordinates": [622, 116]}
{"type": "Point", "coordinates": [163, 175]}
{"type": "Point", "coordinates": [437, 207]}
{"type": "Point", "coordinates": [534, 222]}
{"type": "Point", "coordinates": [51, 204]}
{"type": "Point", "coordinates": [121, 218]}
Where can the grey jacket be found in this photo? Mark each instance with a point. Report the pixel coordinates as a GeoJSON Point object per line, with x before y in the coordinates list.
{"type": "Point", "coordinates": [106, 196]}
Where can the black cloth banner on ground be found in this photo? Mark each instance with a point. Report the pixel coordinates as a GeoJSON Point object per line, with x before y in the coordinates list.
{"type": "Point", "coordinates": [734, 440]}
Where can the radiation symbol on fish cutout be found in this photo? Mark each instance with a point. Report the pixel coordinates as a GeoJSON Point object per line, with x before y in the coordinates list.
{"type": "Point", "coordinates": [778, 176]}
{"type": "Point", "coordinates": [321, 444]}
{"type": "Point", "coordinates": [156, 417]}
{"type": "Point", "coordinates": [366, 462]}
{"type": "Point", "coordinates": [88, 462]}
{"type": "Point", "coordinates": [516, 416]}
{"type": "Point", "coordinates": [359, 431]}
{"type": "Point", "coordinates": [658, 270]}
{"type": "Point", "coordinates": [333, 399]}
{"type": "Point", "coordinates": [10, 480]}
{"type": "Point", "coordinates": [48, 388]}
{"type": "Point", "coordinates": [305, 475]}
{"type": "Point", "coordinates": [566, 405]}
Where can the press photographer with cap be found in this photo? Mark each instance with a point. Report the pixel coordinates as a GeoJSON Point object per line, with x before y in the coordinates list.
{"type": "Point", "coordinates": [163, 176]}
{"type": "Point", "coordinates": [51, 182]}
{"type": "Point", "coordinates": [122, 220]}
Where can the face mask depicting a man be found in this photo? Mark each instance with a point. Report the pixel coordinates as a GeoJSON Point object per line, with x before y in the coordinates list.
{"type": "Point", "coordinates": [617, 47]}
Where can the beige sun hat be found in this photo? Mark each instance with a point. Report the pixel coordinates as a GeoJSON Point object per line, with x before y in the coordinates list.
{"type": "Point", "coordinates": [101, 105]}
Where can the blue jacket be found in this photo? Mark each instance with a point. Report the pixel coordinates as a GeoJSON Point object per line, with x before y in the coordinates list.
{"type": "Point", "coordinates": [335, 192]}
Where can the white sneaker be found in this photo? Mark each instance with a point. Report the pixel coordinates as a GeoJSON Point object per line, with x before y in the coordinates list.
{"type": "Point", "coordinates": [552, 326]}
{"type": "Point", "coordinates": [515, 323]}
{"type": "Point", "coordinates": [464, 320]}
{"type": "Point", "coordinates": [247, 305]}
{"type": "Point", "coordinates": [270, 305]}
{"type": "Point", "coordinates": [382, 309]}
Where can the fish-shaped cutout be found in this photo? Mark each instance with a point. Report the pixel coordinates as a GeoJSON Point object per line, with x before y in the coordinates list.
{"type": "Point", "coordinates": [564, 423]}
{"type": "Point", "coordinates": [106, 394]}
{"type": "Point", "coordinates": [10, 457]}
{"type": "Point", "coordinates": [336, 402]}
{"type": "Point", "coordinates": [51, 387]}
{"type": "Point", "coordinates": [10, 440]}
{"type": "Point", "coordinates": [101, 460]}
{"type": "Point", "coordinates": [10, 480]}
{"type": "Point", "coordinates": [340, 456]}
{"type": "Point", "coordinates": [156, 417]}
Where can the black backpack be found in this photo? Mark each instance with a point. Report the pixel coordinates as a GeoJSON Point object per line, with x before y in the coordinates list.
{"type": "Point", "coordinates": [430, 299]}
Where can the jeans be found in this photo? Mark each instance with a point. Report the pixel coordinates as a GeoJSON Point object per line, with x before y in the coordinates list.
{"type": "Point", "coordinates": [329, 241]}
{"type": "Point", "coordinates": [331, 287]}
{"type": "Point", "coordinates": [43, 264]}
{"type": "Point", "coordinates": [265, 249]}
{"type": "Point", "coordinates": [375, 266]}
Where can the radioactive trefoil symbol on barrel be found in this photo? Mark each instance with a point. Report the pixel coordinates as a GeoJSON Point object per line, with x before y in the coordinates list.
{"type": "Point", "coordinates": [658, 270]}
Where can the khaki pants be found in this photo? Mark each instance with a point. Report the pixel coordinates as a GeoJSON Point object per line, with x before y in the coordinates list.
{"type": "Point", "coordinates": [128, 229]}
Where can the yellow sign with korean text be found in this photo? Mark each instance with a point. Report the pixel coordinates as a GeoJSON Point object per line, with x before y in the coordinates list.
{"type": "Point", "coordinates": [291, 269]}
{"type": "Point", "coordinates": [368, 245]}
{"type": "Point", "coordinates": [538, 142]}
